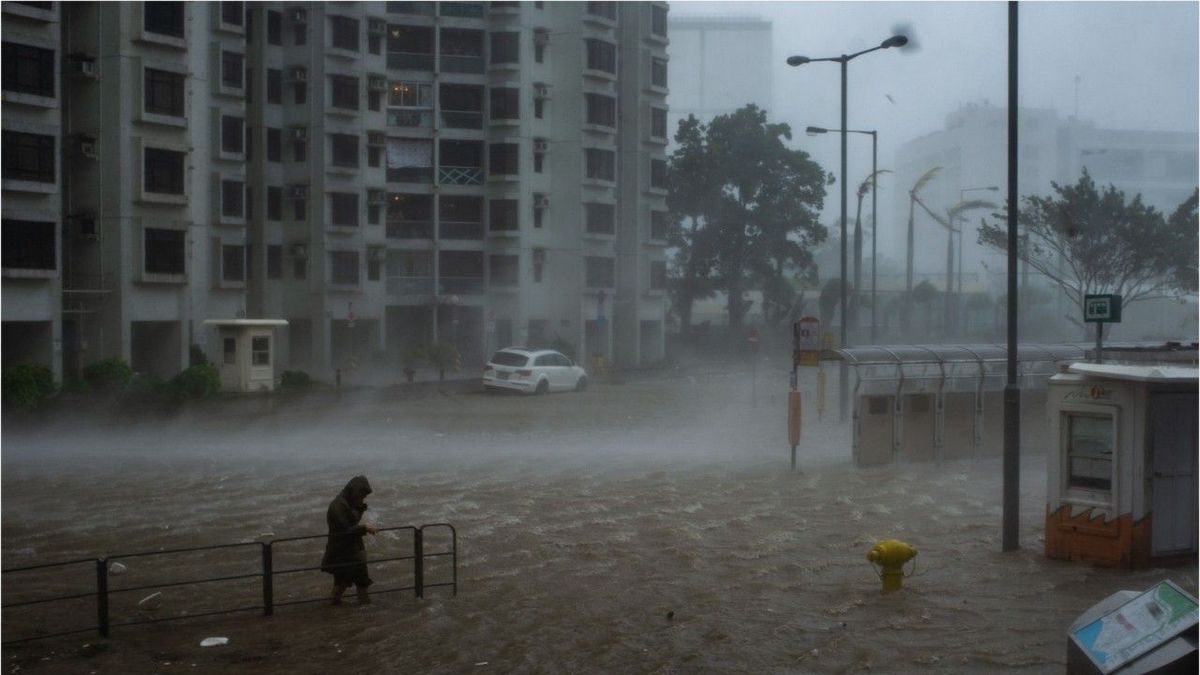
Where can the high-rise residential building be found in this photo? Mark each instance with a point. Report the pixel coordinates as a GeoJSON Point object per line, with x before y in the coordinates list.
{"type": "Point", "coordinates": [379, 174]}
{"type": "Point", "coordinates": [719, 64]}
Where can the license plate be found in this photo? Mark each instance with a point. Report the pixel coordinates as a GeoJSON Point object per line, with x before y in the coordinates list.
{"type": "Point", "coordinates": [502, 375]}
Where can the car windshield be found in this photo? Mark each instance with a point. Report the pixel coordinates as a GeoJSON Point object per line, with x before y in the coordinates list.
{"type": "Point", "coordinates": [503, 358]}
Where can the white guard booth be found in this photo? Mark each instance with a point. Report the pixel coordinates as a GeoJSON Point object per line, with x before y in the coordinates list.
{"type": "Point", "coordinates": [247, 353]}
{"type": "Point", "coordinates": [1121, 488]}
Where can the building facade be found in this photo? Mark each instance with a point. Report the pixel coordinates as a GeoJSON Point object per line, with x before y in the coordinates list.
{"type": "Point", "coordinates": [379, 174]}
{"type": "Point", "coordinates": [719, 64]}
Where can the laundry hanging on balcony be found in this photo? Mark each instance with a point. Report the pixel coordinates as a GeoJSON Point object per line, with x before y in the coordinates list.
{"type": "Point", "coordinates": [405, 153]}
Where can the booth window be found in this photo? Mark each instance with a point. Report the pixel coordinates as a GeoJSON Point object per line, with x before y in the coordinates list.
{"type": "Point", "coordinates": [260, 351]}
{"type": "Point", "coordinates": [877, 405]}
{"type": "Point", "coordinates": [1089, 451]}
{"type": "Point", "coordinates": [230, 350]}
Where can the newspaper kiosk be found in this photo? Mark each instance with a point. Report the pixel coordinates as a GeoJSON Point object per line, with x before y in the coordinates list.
{"type": "Point", "coordinates": [247, 353]}
{"type": "Point", "coordinates": [1121, 487]}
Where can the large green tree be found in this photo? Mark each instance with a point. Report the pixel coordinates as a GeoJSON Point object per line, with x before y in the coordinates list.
{"type": "Point", "coordinates": [692, 193]}
{"type": "Point", "coordinates": [1087, 240]}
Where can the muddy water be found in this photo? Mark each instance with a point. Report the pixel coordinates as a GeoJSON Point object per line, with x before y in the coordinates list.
{"type": "Point", "coordinates": [648, 527]}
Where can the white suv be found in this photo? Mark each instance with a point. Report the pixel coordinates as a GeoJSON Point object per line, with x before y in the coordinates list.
{"type": "Point", "coordinates": [533, 371]}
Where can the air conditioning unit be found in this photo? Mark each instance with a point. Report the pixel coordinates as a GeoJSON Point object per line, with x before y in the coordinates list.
{"type": "Point", "coordinates": [541, 145]}
{"type": "Point", "coordinates": [541, 37]}
{"type": "Point", "coordinates": [85, 66]}
{"type": "Point", "coordinates": [300, 251]}
{"type": "Point", "coordinates": [298, 192]}
{"type": "Point", "coordinates": [377, 83]}
{"type": "Point", "coordinates": [85, 226]}
{"type": "Point", "coordinates": [375, 197]}
{"type": "Point", "coordinates": [376, 26]}
{"type": "Point", "coordinates": [541, 201]}
{"type": "Point", "coordinates": [299, 133]}
{"type": "Point", "coordinates": [300, 74]}
{"type": "Point", "coordinates": [299, 16]}
{"type": "Point", "coordinates": [541, 90]}
{"type": "Point", "coordinates": [376, 138]}
{"type": "Point", "coordinates": [86, 146]}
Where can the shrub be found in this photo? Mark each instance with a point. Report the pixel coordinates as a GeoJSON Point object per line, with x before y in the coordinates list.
{"type": "Point", "coordinates": [107, 375]}
{"type": "Point", "coordinates": [200, 381]}
{"type": "Point", "coordinates": [27, 386]}
{"type": "Point", "coordinates": [412, 356]}
{"type": "Point", "coordinates": [196, 356]}
{"type": "Point", "coordinates": [443, 356]}
{"type": "Point", "coordinates": [147, 392]}
{"type": "Point", "coordinates": [294, 379]}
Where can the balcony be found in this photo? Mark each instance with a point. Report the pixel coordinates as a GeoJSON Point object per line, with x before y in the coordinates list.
{"type": "Point", "coordinates": [462, 119]}
{"type": "Point", "coordinates": [413, 8]}
{"type": "Point", "coordinates": [410, 61]}
{"type": "Point", "coordinates": [410, 229]}
{"type": "Point", "coordinates": [419, 175]}
{"type": "Point", "coordinates": [466, 10]}
{"type": "Point", "coordinates": [409, 285]}
{"type": "Point", "coordinates": [461, 51]}
{"type": "Point", "coordinates": [471, 231]}
{"type": "Point", "coordinates": [463, 285]}
{"type": "Point", "coordinates": [460, 175]}
{"type": "Point", "coordinates": [410, 118]}
{"type": "Point", "coordinates": [463, 63]}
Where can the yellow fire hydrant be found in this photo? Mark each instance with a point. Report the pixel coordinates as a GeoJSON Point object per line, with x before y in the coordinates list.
{"type": "Point", "coordinates": [891, 554]}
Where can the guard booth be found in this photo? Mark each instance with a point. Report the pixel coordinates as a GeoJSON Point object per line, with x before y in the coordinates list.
{"type": "Point", "coordinates": [934, 402]}
{"type": "Point", "coordinates": [247, 353]}
{"type": "Point", "coordinates": [1121, 486]}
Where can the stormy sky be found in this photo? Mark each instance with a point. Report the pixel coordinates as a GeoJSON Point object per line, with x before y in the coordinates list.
{"type": "Point", "coordinates": [1136, 64]}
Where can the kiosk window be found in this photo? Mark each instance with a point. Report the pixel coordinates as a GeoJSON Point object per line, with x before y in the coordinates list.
{"type": "Point", "coordinates": [260, 350]}
{"type": "Point", "coordinates": [1089, 451]}
{"type": "Point", "coordinates": [877, 405]}
{"type": "Point", "coordinates": [230, 351]}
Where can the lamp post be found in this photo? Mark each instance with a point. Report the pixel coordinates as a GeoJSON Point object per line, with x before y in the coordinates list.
{"type": "Point", "coordinates": [813, 131]}
{"type": "Point", "coordinates": [961, 228]}
{"type": "Point", "coordinates": [844, 60]}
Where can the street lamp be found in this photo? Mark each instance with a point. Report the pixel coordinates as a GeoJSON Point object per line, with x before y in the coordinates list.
{"type": "Point", "coordinates": [813, 131]}
{"type": "Point", "coordinates": [844, 59]}
{"type": "Point", "coordinates": [961, 228]}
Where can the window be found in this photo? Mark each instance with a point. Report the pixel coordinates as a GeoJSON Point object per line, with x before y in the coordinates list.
{"type": "Point", "coordinates": [658, 173]}
{"type": "Point", "coordinates": [658, 72]}
{"type": "Point", "coordinates": [28, 157]}
{"type": "Point", "coordinates": [658, 275]}
{"type": "Point", "coordinates": [345, 33]}
{"type": "Point", "coordinates": [506, 103]}
{"type": "Point", "coordinates": [411, 95]}
{"type": "Point", "coordinates": [374, 156]}
{"type": "Point", "coordinates": [233, 135]}
{"type": "Point", "coordinates": [343, 209]}
{"type": "Point", "coordinates": [541, 38]}
{"type": "Point", "coordinates": [300, 93]}
{"type": "Point", "coordinates": [601, 110]}
{"type": "Point", "coordinates": [28, 244]}
{"type": "Point", "coordinates": [233, 198]}
{"type": "Point", "coordinates": [600, 218]}
{"type": "Point", "coordinates": [658, 122]}
{"type": "Point", "coordinates": [539, 208]}
{"type": "Point", "coordinates": [274, 261]}
{"type": "Point", "coordinates": [163, 93]}
{"type": "Point", "coordinates": [231, 13]}
{"type": "Point", "coordinates": [299, 38]}
{"type": "Point", "coordinates": [462, 106]}
{"type": "Point", "coordinates": [274, 144]}
{"type": "Point", "coordinates": [504, 270]}
{"type": "Point", "coordinates": [374, 100]}
{"type": "Point", "coordinates": [274, 28]}
{"type": "Point", "coordinates": [229, 351]}
{"type": "Point", "coordinates": [164, 18]}
{"type": "Point", "coordinates": [163, 251]}
{"type": "Point", "coordinates": [658, 20]}
{"type": "Point", "coordinates": [299, 151]}
{"type": "Point", "coordinates": [372, 214]}
{"type": "Point", "coordinates": [274, 86]}
{"type": "Point", "coordinates": [28, 70]}
{"type": "Point", "coordinates": [539, 107]}
{"type": "Point", "coordinates": [599, 272]}
{"type": "Point", "coordinates": [659, 225]}
{"type": "Point", "coordinates": [375, 43]}
{"type": "Point", "coordinates": [260, 350]}
{"type": "Point", "coordinates": [502, 215]}
{"type": "Point", "coordinates": [506, 48]}
{"type": "Point", "coordinates": [539, 265]}
{"type": "Point", "coordinates": [343, 267]}
{"type": "Point", "coordinates": [163, 171]}
{"type": "Point", "coordinates": [232, 69]}
{"type": "Point", "coordinates": [344, 150]}
{"type": "Point", "coordinates": [607, 10]}
{"type": "Point", "coordinates": [600, 164]}
{"type": "Point", "coordinates": [1089, 451]}
{"type": "Point", "coordinates": [345, 91]}
{"type": "Point", "coordinates": [503, 159]}
{"type": "Point", "coordinates": [539, 159]}
{"type": "Point", "coordinates": [601, 56]}
{"type": "Point", "coordinates": [274, 203]}
{"type": "Point", "coordinates": [233, 262]}
{"type": "Point", "coordinates": [299, 210]}
{"type": "Point", "coordinates": [299, 268]}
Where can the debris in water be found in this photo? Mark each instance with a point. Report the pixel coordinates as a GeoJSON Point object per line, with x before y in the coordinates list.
{"type": "Point", "coordinates": [670, 615]}
{"type": "Point", "coordinates": [214, 641]}
{"type": "Point", "coordinates": [117, 568]}
{"type": "Point", "coordinates": [482, 663]}
{"type": "Point", "coordinates": [151, 601]}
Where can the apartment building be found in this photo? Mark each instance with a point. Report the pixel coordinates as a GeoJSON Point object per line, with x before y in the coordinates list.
{"type": "Point", "coordinates": [380, 174]}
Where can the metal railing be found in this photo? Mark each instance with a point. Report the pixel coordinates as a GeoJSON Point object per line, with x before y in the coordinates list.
{"type": "Point", "coordinates": [410, 229]}
{"type": "Point", "coordinates": [462, 119]}
{"type": "Point", "coordinates": [410, 61]}
{"type": "Point", "coordinates": [462, 63]}
{"type": "Point", "coordinates": [410, 285]}
{"type": "Point", "coordinates": [448, 229]}
{"type": "Point", "coordinates": [410, 117]}
{"type": "Point", "coordinates": [470, 10]}
{"type": "Point", "coordinates": [469, 285]}
{"type": "Point", "coordinates": [266, 574]}
{"type": "Point", "coordinates": [460, 175]}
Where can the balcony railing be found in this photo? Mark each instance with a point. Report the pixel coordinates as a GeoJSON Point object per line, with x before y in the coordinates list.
{"type": "Point", "coordinates": [449, 285]}
{"type": "Point", "coordinates": [410, 285]}
{"type": "Point", "coordinates": [410, 229]}
{"type": "Point", "coordinates": [460, 230]}
{"type": "Point", "coordinates": [415, 8]}
{"type": "Point", "coordinates": [460, 175]}
{"type": "Point", "coordinates": [409, 61]}
{"type": "Point", "coordinates": [410, 118]}
{"type": "Point", "coordinates": [462, 63]}
{"type": "Point", "coordinates": [470, 10]}
{"type": "Point", "coordinates": [462, 119]}
{"type": "Point", "coordinates": [410, 175]}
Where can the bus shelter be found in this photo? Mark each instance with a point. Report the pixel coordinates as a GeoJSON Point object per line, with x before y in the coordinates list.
{"type": "Point", "coordinates": [934, 402]}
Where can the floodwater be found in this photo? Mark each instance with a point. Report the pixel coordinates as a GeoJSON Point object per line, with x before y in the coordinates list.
{"type": "Point", "coordinates": [650, 526]}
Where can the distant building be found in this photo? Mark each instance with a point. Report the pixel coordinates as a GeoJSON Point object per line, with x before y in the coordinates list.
{"type": "Point", "coordinates": [717, 65]}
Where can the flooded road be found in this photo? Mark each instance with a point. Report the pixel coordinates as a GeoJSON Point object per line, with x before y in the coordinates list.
{"type": "Point", "coordinates": [644, 527]}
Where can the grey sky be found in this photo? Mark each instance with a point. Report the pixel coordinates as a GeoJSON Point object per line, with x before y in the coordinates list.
{"type": "Point", "coordinates": [1137, 63]}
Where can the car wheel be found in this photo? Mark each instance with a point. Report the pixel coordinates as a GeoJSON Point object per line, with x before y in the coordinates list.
{"type": "Point", "coordinates": [542, 387]}
{"type": "Point", "coordinates": [582, 383]}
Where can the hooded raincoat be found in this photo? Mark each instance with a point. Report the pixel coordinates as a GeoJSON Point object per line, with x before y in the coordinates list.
{"type": "Point", "coordinates": [345, 556]}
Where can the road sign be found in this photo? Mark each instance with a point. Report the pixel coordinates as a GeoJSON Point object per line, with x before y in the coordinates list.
{"type": "Point", "coordinates": [1102, 309]}
{"type": "Point", "coordinates": [807, 333]}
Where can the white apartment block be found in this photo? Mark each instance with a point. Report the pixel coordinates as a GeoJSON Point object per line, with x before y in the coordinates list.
{"type": "Point", "coordinates": [379, 174]}
{"type": "Point", "coordinates": [719, 64]}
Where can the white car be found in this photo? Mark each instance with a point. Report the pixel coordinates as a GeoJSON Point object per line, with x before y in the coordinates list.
{"type": "Point", "coordinates": [532, 371]}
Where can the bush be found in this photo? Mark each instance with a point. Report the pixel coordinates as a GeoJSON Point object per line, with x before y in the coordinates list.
{"type": "Point", "coordinates": [147, 392]}
{"type": "Point", "coordinates": [108, 375]}
{"type": "Point", "coordinates": [294, 379]}
{"type": "Point", "coordinates": [201, 381]}
{"type": "Point", "coordinates": [412, 356]}
{"type": "Point", "coordinates": [443, 356]}
{"type": "Point", "coordinates": [27, 386]}
{"type": "Point", "coordinates": [196, 356]}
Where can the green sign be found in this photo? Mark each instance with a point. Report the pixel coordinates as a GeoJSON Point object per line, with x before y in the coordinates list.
{"type": "Point", "coordinates": [1137, 627]}
{"type": "Point", "coordinates": [1102, 309]}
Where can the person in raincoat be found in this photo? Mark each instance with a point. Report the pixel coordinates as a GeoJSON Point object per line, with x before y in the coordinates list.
{"type": "Point", "coordinates": [345, 556]}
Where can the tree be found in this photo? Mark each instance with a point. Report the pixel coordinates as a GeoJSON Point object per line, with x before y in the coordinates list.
{"type": "Point", "coordinates": [908, 269]}
{"type": "Point", "coordinates": [1088, 241]}
{"type": "Point", "coordinates": [864, 188]}
{"type": "Point", "coordinates": [691, 194]}
{"type": "Point", "coordinates": [953, 215]}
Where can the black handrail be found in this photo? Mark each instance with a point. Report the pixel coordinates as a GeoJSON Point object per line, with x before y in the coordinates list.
{"type": "Point", "coordinates": [267, 574]}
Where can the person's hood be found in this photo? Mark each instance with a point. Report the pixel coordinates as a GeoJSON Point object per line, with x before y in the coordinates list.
{"type": "Point", "coordinates": [356, 490]}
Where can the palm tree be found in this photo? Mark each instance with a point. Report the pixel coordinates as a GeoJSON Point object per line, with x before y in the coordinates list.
{"type": "Point", "coordinates": [953, 214]}
{"type": "Point", "coordinates": [864, 189]}
{"type": "Point", "coordinates": [908, 270]}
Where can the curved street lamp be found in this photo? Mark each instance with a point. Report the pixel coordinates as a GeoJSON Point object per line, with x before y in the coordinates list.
{"type": "Point", "coordinates": [844, 59]}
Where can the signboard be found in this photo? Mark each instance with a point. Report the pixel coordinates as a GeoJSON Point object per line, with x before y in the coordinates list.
{"type": "Point", "coordinates": [806, 336]}
{"type": "Point", "coordinates": [1102, 309]}
{"type": "Point", "coordinates": [1137, 627]}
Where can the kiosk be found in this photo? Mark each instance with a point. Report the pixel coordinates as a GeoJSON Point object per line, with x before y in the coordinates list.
{"type": "Point", "coordinates": [1121, 487]}
{"type": "Point", "coordinates": [247, 353]}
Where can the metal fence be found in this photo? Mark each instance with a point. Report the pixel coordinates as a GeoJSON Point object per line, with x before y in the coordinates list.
{"type": "Point", "coordinates": [266, 575]}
